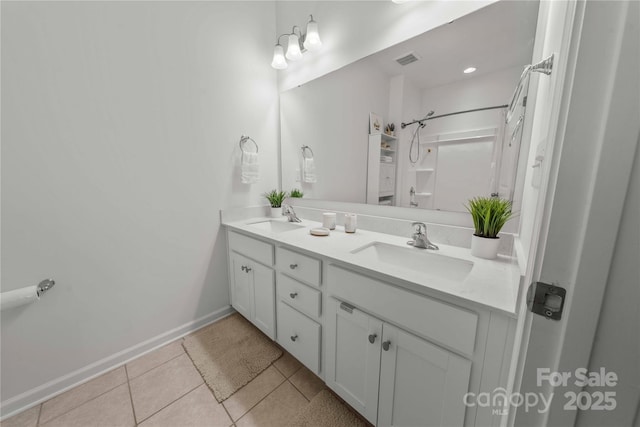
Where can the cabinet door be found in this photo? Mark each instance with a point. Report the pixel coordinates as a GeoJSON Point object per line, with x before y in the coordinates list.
{"type": "Point", "coordinates": [241, 285]}
{"type": "Point", "coordinates": [353, 357]}
{"type": "Point", "coordinates": [387, 178]}
{"type": "Point", "coordinates": [420, 384]}
{"type": "Point", "coordinates": [264, 299]}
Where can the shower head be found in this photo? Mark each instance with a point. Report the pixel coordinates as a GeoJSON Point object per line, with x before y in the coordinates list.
{"type": "Point", "coordinates": [429, 114]}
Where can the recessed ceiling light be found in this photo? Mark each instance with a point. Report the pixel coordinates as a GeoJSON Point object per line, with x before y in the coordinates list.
{"type": "Point", "coordinates": [469, 70]}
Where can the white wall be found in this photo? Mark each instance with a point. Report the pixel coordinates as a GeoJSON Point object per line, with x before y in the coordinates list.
{"type": "Point", "coordinates": [617, 342]}
{"type": "Point", "coordinates": [331, 115]}
{"type": "Point", "coordinates": [351, 30]}
{"type": "Point", "coordinates": [120, 129]}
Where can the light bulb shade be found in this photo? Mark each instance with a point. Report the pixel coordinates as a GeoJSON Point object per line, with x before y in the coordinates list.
{"type": "Point", "coordinates": [312, 39]}
{"type": "Point", "coordinates": [293, 48]}
{"type": "Point", "coordinates": [279, 63]}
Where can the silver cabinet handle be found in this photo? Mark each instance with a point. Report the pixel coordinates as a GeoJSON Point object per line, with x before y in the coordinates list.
{"type": "Point", "coordinates": [386, 345]}
{"type": "Point", "coordinates": [293, 294]}
{"type": "Point", "coordinates": [247, 269]}
{"type": "Point", "coordinates": [293, 266]}
{"type": "Point", "coordinates": [372, 338]}
{"type": "Point", "coordinates": [294, 337]}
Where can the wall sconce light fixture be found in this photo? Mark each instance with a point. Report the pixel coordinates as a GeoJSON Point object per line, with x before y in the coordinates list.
{"type": "Point", "coordinates": [297, 44]}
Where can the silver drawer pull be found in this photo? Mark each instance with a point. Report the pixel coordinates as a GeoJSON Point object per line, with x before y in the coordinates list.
{"type": "Point", "coordinates": [293, 266]}
{"type": "Point", "coordinates": [386, 345]}
{"type": "Point", "coordinates": [294, 337]}
{"type": "Point", "coordinates": [293, 294]}
{"type": "Point", "coordinates": [372, 338]}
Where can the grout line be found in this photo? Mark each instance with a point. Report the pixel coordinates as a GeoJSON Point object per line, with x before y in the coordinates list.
{"type": "Point", "coordinates": [147, 371]}
{"type": "Point", "coordinates": [224, 407]}
{"type": "Point", "coordinates": [133, 408]}
{"type": "Point", "coordinates": [83, 403]}
{"type": "Point", "coordinates": [169, 404]}
{"type": "Point", "coordinates": [39, 413]}
{"type": "Point", "coordinates": [257, 403]}
{"type": "Point", "coordinates": [299, 391]}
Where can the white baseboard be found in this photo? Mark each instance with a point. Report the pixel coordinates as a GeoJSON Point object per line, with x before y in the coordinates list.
{"type": "Point", "coordinates": [46, 391]}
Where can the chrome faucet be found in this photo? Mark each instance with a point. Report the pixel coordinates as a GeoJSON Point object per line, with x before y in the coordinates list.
{"type": "Point", "coordinates": [287, 210]}
{"type": "Point", "coordinates": [420, 239]}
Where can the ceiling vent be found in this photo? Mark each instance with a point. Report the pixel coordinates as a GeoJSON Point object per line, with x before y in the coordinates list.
{"type": "Point", "coordinates": [407, 59]}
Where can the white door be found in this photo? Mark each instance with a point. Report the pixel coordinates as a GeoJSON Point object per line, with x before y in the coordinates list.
{"type": "Point", "coordinates": [590, 129]}
{"type": "Point", "coordinates": [264, 305]}
{"type": "Point", "coordinates": [353, 357]}
{"type": "Point", "coordinates": [242, 286]}
{"type": "Point", "coordinates": [420, 384]}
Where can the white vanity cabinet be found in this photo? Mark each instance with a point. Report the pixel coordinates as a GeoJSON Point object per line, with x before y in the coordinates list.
{"type": "Point", "coordinates": [400, 353]}
{"type": "Point", "coordinates": [252, 283]}
{"type": "Point", "coordinates": [390, 376]}
{"type": "Point", "coordinates": [398, 358]}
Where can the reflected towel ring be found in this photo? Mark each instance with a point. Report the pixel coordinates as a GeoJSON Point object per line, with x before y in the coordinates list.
{"type": "Point", "coordinates": [304, 148]}
{"type": "Point", "coordinates": [244, 139]}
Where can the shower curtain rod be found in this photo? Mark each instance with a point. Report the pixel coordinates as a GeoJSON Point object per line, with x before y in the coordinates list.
{"type": "Point", "coordinates": [403, 125]}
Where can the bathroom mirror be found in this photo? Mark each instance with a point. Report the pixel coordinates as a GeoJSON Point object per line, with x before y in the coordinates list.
{"type": "Point", "coordinates": [454, 156]}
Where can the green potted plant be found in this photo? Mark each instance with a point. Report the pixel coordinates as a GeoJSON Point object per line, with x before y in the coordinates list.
{"type": "Point", "coordinates": [489, 216]}
{"type": "Point", "coordinates": [296, 193]}
{"type": "Point", "coordinates": [275, 199]}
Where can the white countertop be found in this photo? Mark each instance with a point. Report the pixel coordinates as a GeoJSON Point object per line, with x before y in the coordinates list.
{"type": "Point", "coordinates": [491, 283]}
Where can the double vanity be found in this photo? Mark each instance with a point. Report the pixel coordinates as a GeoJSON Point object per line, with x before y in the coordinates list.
{"type": "Point", "coordinates": [402, 334]}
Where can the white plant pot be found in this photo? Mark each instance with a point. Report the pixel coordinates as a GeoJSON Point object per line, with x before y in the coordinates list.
{"type": "Point", "coordinates": [483, 247]}
{"type": "Point", "coordinates": [276, 212]}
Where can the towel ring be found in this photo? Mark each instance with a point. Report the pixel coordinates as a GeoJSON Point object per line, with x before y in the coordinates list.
{"type": "Point", "coordinates": [304, 148]}
{"type": "Point", "coordinates": [244, 139]}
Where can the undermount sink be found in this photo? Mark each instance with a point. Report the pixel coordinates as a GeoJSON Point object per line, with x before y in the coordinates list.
{"type": "Point", "coordinates": [276, 226]}
{"type": "Point", "coordinates": [417, 260]}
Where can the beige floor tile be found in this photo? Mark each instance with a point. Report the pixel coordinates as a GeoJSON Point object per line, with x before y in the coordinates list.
{"type": "Point", "coordinates": [276, 410]}
{"type": "Point", "coordinates": [83, 393]}
{"type": "Point", "coordinates": [154, 359]}
{"type": "Point", "coordinates": [287, 364]}
{"type": "Point", "coordinates": [249, 395]}
{"type": "Point", "coordinates": [110, 409]}
{"type": "Point", "coordinates": [28, 418]}
{"type": "Point", "coordinates": [163, 385]}
{"type": "Point", "coordinates": [307, 382]}
{"type": "Point", "coordinates": [197, 409]}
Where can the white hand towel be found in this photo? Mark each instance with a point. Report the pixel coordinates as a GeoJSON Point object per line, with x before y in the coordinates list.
{"type": "Point", "coordinates": [250, 168]}
{"type": "Point", "coordinates": [309, 170]}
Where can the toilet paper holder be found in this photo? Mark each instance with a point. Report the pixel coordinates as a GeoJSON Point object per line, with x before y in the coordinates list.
{"type": "Point", "coordinates": [45, 285]}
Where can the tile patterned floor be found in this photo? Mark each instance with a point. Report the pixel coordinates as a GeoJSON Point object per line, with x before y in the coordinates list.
{"type": "Point", "coordinates": [164, 389]}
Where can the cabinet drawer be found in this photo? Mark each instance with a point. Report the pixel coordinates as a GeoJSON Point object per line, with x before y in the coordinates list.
{"type": "Point", "coordinates": [300, 266]}
{"type": "Point", "coordinates": [437, 321]}
{"type": "Point", "coordinates": [255, 249]}
{"type": "Point", "coordinates": [300, 336]}
{"type": "Point", "coordinates": [298, 295]}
